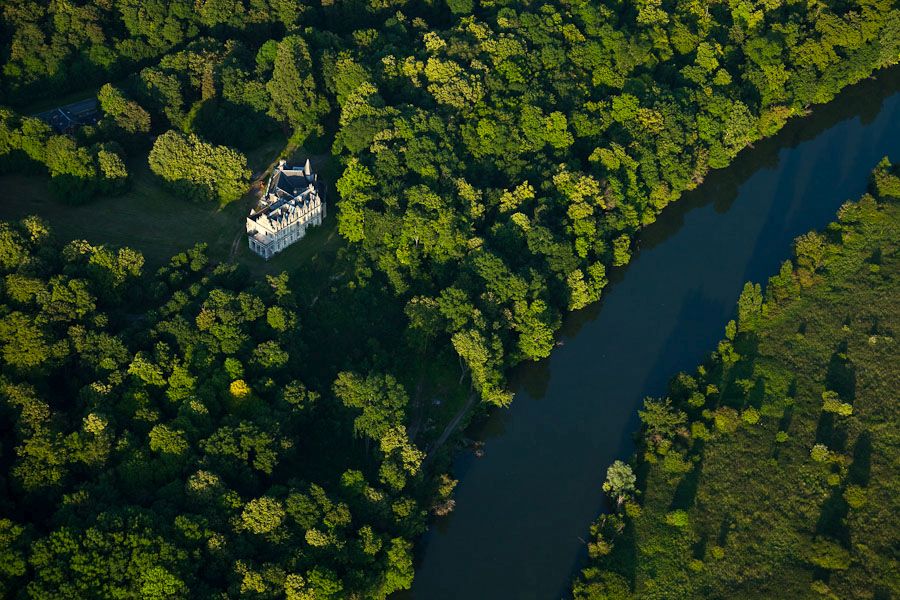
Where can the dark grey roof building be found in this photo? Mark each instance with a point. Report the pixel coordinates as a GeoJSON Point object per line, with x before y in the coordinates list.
{"type": "Point", "coordinates": [290, 205]}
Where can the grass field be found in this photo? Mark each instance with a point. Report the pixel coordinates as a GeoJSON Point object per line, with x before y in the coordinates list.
{"type": "Point", "coordinates": [151, 219]}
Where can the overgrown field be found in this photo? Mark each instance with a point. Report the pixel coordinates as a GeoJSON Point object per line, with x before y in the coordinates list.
{"type": "Point", "coordinates": [771, 471]}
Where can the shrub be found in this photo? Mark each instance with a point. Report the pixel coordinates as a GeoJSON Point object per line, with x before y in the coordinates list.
{"type": "Point", "coordinates": [699, 431]}
{"type": "Point", "coordinates": [677, 518]}
{"type": "Point", "coordinates": [855, 496]}
{"type": "Point", "coordinates": [727, 420]}
{"type": "Point", "coordinates": [829, 555]}
{"type": "Point", "coordinates": [831, 403]}
{"type": "Point", "coordinates": [697, 400]}
{"type": "Point", "coordinates": [675, 463]}
{"type": "Point", "coordinates": [820, 453]}
{"type": "Point", "coordinates": [750, 416]}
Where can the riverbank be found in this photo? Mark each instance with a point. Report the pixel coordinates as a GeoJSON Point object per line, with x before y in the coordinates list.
{"type": "Point", "coordinates": [521, 509]}
{"type": "Point", "coordinates": [773, 472]}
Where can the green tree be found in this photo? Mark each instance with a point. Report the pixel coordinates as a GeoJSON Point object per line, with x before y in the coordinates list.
{"type": "Point", "coordinates": [750, 307]}
{"type": "Point", "coordinates": [620, 482]}
{"type": "Point", "coordinates": [126, 114]}
{"type": "Point", "coordinates": [262, 515]}
{"type": "Point", "coordinates": [661, 420]}
{"type": "Point", "coordinates": [381, 398]}
{"type": "Point", "coordinates": [293, 89]}
{"type": "Point", "coordinates": [199, 170]}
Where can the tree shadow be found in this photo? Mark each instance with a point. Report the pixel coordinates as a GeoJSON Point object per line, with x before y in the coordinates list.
{"type": "Point", "coordinates": [786, 418]}
{"type": "Point", "coordinates": [735, 392]}
{"type": "Point", "coordinates": [724, 530]}
{"type": "Point", "coordinates": [73, 190]}
{"type": "Point", "coordinates": [841, 374]}
{"type": "Point", "coordinates": [881, 593]}
{"type": "Point", "coordinates": [757, 394]}
{"type": "Point", "coordinates": [223, 122]}
{"type": "Point", "coordinates": [698, 550]}
{"type": "Point", "coordinates": [624, 557]}
{"type": "Point", "coordinates": [832, 517]}
{"type": "Point", "coordinates": [783, 425]}
{"type": "Point", "coordinates": [825, 428]}
{"type": "Point", "coordinates": [861, 467]}
{"type": "Point", "coordinates": [686, 492]}
{"type": "Point", "coordinates": [17, 161]}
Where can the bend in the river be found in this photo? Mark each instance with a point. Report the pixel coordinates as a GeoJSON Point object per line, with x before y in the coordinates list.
{"type": "Point", "coordinates": [522, 508]}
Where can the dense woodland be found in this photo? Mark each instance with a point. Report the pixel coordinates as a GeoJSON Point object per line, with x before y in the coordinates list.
{"type": "Point", "coordinates": [202, 429]}
{"type": "Point", "coordinates": [771, 471]}
{"type": "Point", "coordinates": [162, 445]}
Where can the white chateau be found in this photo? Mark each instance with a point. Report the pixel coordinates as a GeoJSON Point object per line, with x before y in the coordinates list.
{"type": "Point", "coordinates": [290, 205]}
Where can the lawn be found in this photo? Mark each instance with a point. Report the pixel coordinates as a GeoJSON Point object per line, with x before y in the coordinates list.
{"type": "Point", "coordinates": [147, 217]}
{"type": "Point", "coordinates": [151, 219]}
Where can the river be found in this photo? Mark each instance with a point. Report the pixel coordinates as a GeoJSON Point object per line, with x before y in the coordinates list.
{"type": "Point", "coordinates": [522, 509]}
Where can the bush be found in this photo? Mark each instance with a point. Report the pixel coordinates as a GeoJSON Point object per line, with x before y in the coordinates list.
{"type": "Point", "coordinates": [750, 416]}
{"type": "Point", "coordinates": [829, 555]}
{"type": "Point", "coordinates": [677, 518]}
{"type": "Point", "coordinates": [831, 403]}
{"type": "Point", "coordinates": [632, 509]}
{"type": "Point", "coordinates": [820, 453]}
{"type": "Point", "coordinates": [727, 420]}
{"type": "Point", "coordinates": [855, 496]}
{"type": "Point", "coordinates": [699, 431]}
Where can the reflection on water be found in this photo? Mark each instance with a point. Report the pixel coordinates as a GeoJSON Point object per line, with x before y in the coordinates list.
{"type": "Point", "coordinates": [522, 509]}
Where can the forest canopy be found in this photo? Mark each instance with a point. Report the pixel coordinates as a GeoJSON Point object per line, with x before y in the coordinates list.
{"type": "Point", "coordinates": [160, 443]}
{"type": "Point", "coordinates": [199, 430]}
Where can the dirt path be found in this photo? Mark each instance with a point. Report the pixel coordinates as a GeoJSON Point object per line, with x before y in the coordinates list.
{"type": "Point", "coordinates": [451, 427]}
{"type": "Point", "coordinates": [236, 244]}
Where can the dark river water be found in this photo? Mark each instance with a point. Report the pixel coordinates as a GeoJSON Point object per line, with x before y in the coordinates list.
{"type": "Point", "coordinates": [522, 508]}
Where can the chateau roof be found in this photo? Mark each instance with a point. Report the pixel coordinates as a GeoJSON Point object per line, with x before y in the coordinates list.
{"type": "Point", "coordinates": [290, 181]}
{"type": "Point", "coordinates": [290, 194]}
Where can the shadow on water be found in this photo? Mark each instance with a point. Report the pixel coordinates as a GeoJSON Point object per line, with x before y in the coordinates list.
{"type": "Point", "coordinates": [522, 509]}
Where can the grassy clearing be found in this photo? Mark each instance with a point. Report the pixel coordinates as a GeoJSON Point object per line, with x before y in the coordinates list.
{"type": "Point", "coordinates": [151, 219]}
{"type": "Point", "coordinates": [147, 217]}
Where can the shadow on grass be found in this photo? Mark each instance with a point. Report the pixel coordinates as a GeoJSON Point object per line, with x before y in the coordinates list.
{"type": "Point", "coordinates": [861, 467]}
{"type": "Point", "coordinates": [724, 530]}
{"type": "Point", "coordinates": [841, 375]}
{"type": "Point", "coordinates": [832, 517]}
{"type": "Point", "coordinates": [825, 429]}
{"type": "Point", "coordinates": [223, 122]}
{"type": "Point", "coordinates": [757, 394]}
{"type": "Point", "coordinates": [686, 492]}
{"type": "Point", "coordinates": [623, 560]}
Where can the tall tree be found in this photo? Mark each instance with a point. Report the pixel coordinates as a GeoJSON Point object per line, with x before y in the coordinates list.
{"type": "Point", "coordinates": [295, 99]}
